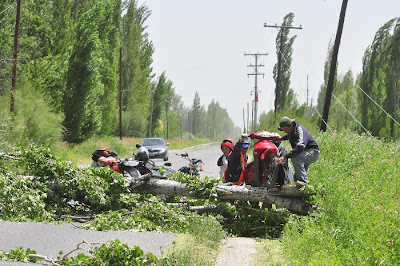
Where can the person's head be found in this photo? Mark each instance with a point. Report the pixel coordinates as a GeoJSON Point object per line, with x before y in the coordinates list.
{"type": "Point", "coordinates": [226, 146]}
{"type": "Point", "coordinates": [286, 125]}
{"type": "Point", "coordinates": [245, 145]}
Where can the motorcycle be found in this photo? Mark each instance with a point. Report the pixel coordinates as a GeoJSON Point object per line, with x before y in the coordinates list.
{"type": "Point", "coordinates": [138, 165]}
{"type": "Point", "coordinates": [195, 165]}
{"type": "Point", "coordinates": [263, 172]}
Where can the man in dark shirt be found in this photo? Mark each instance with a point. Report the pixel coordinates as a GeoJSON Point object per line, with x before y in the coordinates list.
{"type": "Point", "coordinates": [304, 151]}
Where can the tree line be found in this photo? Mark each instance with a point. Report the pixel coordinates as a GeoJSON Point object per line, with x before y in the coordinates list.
{"type": "Point", "coordinates": [69, 75]}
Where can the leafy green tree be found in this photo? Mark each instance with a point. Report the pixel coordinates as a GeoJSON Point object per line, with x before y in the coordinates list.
{"type": "Point", "coordinates": [49, 72]}
{"type": "Point", "coordinates": [176, 116]}
{"type": "Point", "coordinates": [346, 93]}
{"type": "Point", "coordinates": [137, 60]}
{"type": "Point", "coordinates": [160, 103]}
{"type": "Point", "coordinates": [7, 21]}
{"type": "Point", "coordinates": [82, 106]}
{"type": "Point", "coordinates": [393, 100]}
{"type": "Point", "coordinates": [109, 34]}
{"type": "Point", "coordinates": [196, 115]}
{"type": "Point", "coordinates": [284, 94]}
{"type": "Point", "coordinates": [218, 123]}
{"type": "Point", "coordinates": [379, 80]}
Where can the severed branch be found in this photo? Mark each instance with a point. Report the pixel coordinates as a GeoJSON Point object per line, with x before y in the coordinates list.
{"type": "Point", "coordinates": [45, 258]}
{"type": "Point", "coordinates": [78, 247]}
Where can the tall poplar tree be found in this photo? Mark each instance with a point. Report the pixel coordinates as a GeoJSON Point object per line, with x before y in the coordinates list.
{"type": "Point", "coordinates": [109, 36]}
{"type": "Point", "coordinates": [284, 94]}
{"type": "Point", "coordinates": [196, 115]}
{"type": "Point", "coordinates": [137, 58]}
{"type": "Point", "coordinates": [380, 80]}
{"type": "Point", "coordinates": [84, 89]}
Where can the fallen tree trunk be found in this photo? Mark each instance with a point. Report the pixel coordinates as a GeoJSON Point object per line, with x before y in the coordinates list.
{"type": "Point", "coordinates": [289, 198]}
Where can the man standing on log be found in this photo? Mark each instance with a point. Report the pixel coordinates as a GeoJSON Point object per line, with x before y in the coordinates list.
{"type": "Point", "coordinates": [304, 151]}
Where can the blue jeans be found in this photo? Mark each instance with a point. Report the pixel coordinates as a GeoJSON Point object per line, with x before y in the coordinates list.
{"type": "Point", "coordinates": [302, 161]}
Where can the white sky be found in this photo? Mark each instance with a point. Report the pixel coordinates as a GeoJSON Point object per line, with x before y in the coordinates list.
{"type": "Point", "coordinates": [201, 45]}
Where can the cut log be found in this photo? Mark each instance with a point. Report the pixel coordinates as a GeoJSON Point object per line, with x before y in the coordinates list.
{"type": "Point", "coordinates": [289, 198]}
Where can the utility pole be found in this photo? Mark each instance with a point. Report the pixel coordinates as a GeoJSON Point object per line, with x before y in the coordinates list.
{"type": "Point", "coordinates": [120, 93]}
{"type": "Point", "coordinates": [151, 112]}
{"type": "Point", "coordinates": [329, 88]}
{"type": "Point", "coordinates": [255, 74]}
{"type": "Point", "coordinates": [278, 75]}
{"type": "Point", "coordinates": [15, 58]}
{"type": "Point", "coordinates": [166, 114]}
{"type": "Point", "coordinates": [252, 113]}
{"type": "Point", "coordinates": [307, 89]}
{"type": "Point", "coordinates": [247, 117]}
{"type": "Point", "coordinates": [244, 123]}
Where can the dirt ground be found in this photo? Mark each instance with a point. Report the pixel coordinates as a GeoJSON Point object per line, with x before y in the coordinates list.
{"type": "Point", "coordinates": [237, 251]}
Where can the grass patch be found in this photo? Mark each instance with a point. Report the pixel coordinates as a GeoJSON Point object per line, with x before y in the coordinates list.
{"type": "Point", "coordinates": [177, 144]}
{"type": "Point", "coordinates": [269, 252]}
{"type": "Point", "coordinates": [200, 246]}
{"type": "Point", "coordinates": [358, 222]}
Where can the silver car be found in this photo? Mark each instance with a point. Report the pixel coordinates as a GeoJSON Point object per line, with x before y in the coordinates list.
{"type": "Point", "coordinates": [157, 148]}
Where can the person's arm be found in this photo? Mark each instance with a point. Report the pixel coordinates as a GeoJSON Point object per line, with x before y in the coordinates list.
{"type": "Point", "coordinates": [300, 143]}
{"type": "Point", "coordinates": [220, 163]}
{"type": "Point", "coordinates": [107, 161]}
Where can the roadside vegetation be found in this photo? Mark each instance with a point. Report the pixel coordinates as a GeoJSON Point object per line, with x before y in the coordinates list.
{"type": "Point", "coordinates": [359, 205]}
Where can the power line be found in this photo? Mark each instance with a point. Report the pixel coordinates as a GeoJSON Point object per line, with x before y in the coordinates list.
{"type": "Point", "coordinates": [321, 117]}
{"type": "Point", "coordinates": [366, 130]}
{"type": "Point", "coordinates": [379, 106]}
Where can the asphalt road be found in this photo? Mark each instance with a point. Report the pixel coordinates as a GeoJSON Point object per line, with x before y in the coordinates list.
{"type": "Point", "coordinates": [49, 239]}
{"type": "Point", "coordinates": [208, 153]}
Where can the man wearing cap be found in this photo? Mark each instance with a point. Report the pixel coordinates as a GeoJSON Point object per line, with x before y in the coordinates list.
{"type": "Point", "coordinates": [237, 161]}
{"type": "Point", "coordinates": [304, 151]}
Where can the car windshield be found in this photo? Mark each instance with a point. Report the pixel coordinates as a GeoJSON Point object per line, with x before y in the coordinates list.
{"type": "Point", "coordinates": [153, 142]}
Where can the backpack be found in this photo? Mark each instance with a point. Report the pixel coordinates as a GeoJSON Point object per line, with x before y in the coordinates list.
{"type": "Point", "coordinates": [99, 153]}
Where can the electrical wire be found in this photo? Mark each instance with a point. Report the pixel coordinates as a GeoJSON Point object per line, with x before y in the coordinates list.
{"type": "Point", "coordinates": [379, 106]}
{"type": "Point", "coordinates": [321, 118]}
{"type": "Point", "coordinates": [366, 130]}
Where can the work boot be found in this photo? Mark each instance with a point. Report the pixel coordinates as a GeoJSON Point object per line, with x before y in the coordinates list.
{"type": "Point", "coordinates": [300, 184]}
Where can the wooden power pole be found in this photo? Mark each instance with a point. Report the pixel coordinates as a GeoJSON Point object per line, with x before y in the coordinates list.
{"type": "Point", "coordinates": [15, 58]}
{"type": "Point", "coordinates": [332, 71]}
{"type": "Point", "coordinates": [255, 74]}
{"type": "Point", "coordinates": [120, 93]}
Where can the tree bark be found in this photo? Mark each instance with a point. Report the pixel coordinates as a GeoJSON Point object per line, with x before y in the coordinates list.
{"type": "Point", "coordinates": [289, 198]}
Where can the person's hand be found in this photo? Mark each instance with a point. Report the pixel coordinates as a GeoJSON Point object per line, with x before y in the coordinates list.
{"type": "Point", "coordinates": [281, 160]}
{"type": "Point", "coordinates": [102, 159]}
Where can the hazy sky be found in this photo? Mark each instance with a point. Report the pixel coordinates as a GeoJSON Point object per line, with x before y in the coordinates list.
{"type": "Point", "coordinates": [201, 45]}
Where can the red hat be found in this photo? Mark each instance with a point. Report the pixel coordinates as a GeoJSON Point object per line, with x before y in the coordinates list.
{"type": "Point", "coordinates": [228, 143]}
